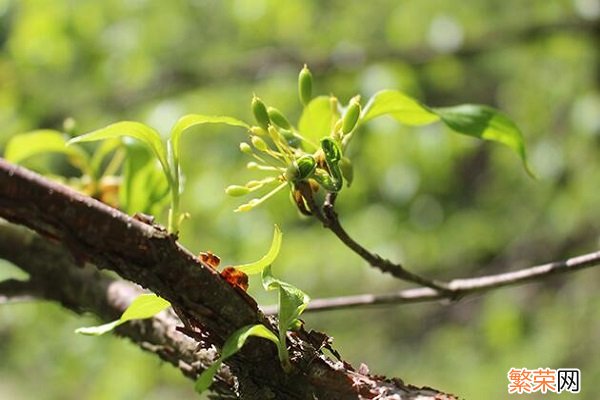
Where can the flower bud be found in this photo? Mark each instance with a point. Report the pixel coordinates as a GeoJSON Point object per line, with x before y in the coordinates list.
{"type": "Point", "coordinates": [245, 148]}
{"type": "Point", "coordinates": [305, 85]}
{"type": "Point", "coordinates": [236, 190]}
{"type": "Point", "coordinates": [259, 144]}
{"type": "Point", "coordinates": [260, 112]}
{"type": "Point", "coordinates": [257, 131]}
{"type": "Point", "coordinates": [351, 116]}
{"type": "Point", "coordinates": [278, 118]}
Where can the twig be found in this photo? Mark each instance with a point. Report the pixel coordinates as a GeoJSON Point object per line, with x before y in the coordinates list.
{"type": "Point", "coordinates": [458, 288]}
{"type": "Point", "coordinates": [331, 221]}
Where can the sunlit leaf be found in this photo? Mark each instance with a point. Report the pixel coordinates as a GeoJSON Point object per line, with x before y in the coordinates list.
{"type": "Point", "coordinates": [190, 120]}
{"type": "Point", "coordinates": [267, 259]}
{"type": "Point", "coordinates": [401, 107]}
{"type": "Point", "coordinates": [133, 129]}
{"type": "Point", "coordinates": [23, 146]}
{"type": "Point", "coordinates": [315, 121]}
{"type": "Point", "coordinates": [485, 123]}
{"type": "Point", "coordinates": [144, 306]}
{"type": "Point", "coordinates": [144, 187]}
{"type": "Point", "coordinates": [233, 344]}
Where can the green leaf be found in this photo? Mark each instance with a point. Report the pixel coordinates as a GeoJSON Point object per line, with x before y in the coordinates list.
{"type": "Point", "coordinates": [133, 129]}
{"type": "Point", "coordinates": [26, 145]}
{"type": "Point", "coordinates": [485, 123]}
{"type": "Point", "coordinates": [190, 120]}
{"type": "Point", "coordinates": [144, 306]}
{"type": "Point", "coordinates": [292, 301]}
{"type": "Point", "coordinates": [315, 121]}
{"type": "Point", "coordinates": [267, 259]}
{"type": "Point", "coordinates": [233, 344]}
{"type": "Point", "coordinates": [401, 107]}
{"type": "Point", "coordinates": [144, 187]}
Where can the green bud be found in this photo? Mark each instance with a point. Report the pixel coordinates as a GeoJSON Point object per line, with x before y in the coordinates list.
{"type": "Point", "coordinates": [252, 165]}
{"type": "Point", "coordinates": [259, 144]}
{"type": "Point", "coordinates": [254, 184]}
{"type": "Point", "coordinates": [333, 153]}
{"type": "Point", "coordinates": [245, 148]}
{"type": "Point", "coordinates": [258, 131]}
{"type": "Point", "coordinates": [306, 166]}
{"type": "Point", "coordinates": [278, 118]}
{"type": "Point", "coordinates": [305, 85]}
{"type": "Point", "coordinates": [236, 190]}
{"type": "Point", "coordinates": [351, 116]}
{"type": "Point", "coordinates": [260, 112]}
{"type": "Point", "coordinates": [301, 169]}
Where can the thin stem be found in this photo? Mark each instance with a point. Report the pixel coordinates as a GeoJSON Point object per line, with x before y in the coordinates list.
{"type": "Point", "coordinates": [331, 221]}
{"type": "Point", "coordinates": [457, 288]}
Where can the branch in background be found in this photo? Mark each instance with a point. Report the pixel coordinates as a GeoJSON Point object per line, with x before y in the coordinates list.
{"type": "Point", "coordinates": [13, 291]}
{"type": "Point", "coordinates": [457, 288]}
{"type": "Point", "coordinates": [54, 276]}
{"type": "Point", "coordinates": [95, 233]}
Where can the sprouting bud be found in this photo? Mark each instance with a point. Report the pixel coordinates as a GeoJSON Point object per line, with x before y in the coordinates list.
{"type": "Point", "coordinates": [351, 116]}
{"type": "Point", "coordinates": [236, 190]}
{"type": "Point", "coordinates": [332, 151]}
{"type": "Point", "coordinates": [301, 169]}
{"type": "Point", "coordinates": [245, 148]}
{"type": "Point", "coordinates": [252, 165]}
{"type": "Point", "coordinates": [259, 144]}
{"type": "Point", "coordinates": [260, 112]}
{"type": "Point", "coordinates": [278, 118]}
{"type": "Point", "coordinates": [305, 85]}
{"type": "Point", "coordinates": [258, 131]}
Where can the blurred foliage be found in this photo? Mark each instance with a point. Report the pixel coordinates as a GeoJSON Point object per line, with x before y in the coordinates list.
{"type": "Point", "coordinates": [446, 206]}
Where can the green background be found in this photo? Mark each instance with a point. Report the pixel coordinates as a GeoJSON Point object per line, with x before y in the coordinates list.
{"type": "Point", "coordinates": [444, 205]}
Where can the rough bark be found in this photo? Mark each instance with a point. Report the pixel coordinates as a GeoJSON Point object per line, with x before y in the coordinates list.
{"type": "Point", "coordinates": [96, 234]}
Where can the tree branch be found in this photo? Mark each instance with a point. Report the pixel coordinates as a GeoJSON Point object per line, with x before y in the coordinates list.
{"type": "Point", "coordinates": [147, 255]}
{"type": "Point", "coordinates": [457, 288]}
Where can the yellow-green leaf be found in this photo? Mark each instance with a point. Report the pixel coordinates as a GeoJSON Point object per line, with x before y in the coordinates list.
{"type": "Point", "coordinates": [144, 306]}
{"type": "Point", "coordinates": [315, 121]}
{"type": "Point", "coordinates": [132, 129]}
{"type": "Point", "coordinates": [401, 107]}
{"type": "Point", "coordinates": [267, 259]}
{"type": "Point", "coordinates": [26, 145]}
{"type": "Point", "coordinates": [190, 120]}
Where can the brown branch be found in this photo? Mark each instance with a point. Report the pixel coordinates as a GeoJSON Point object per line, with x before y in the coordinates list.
{"type": "Point", "coordinates": [147, 255]}
{"type": "Point", "coordinates": [54, 276]}
{"type": "Point", "coordinates": [457, 288]}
